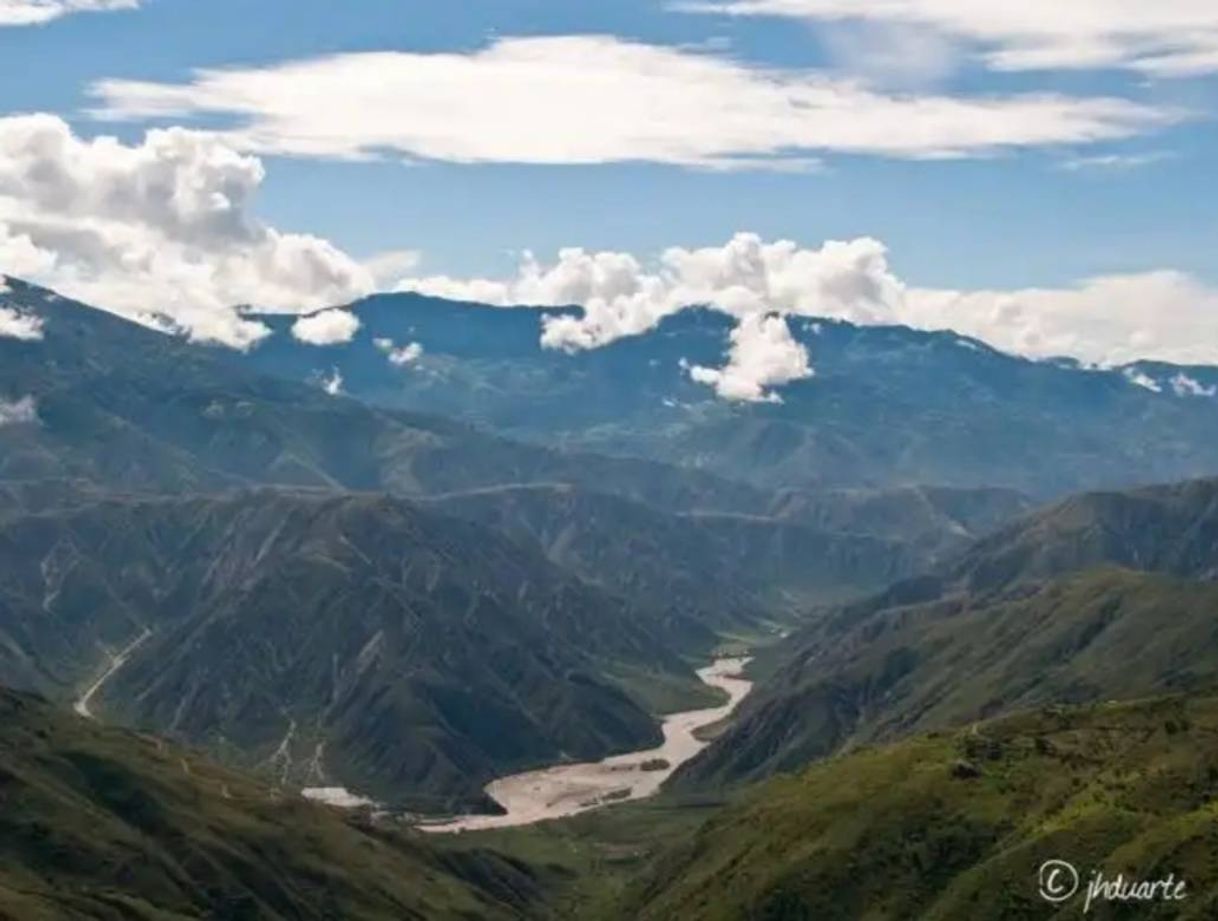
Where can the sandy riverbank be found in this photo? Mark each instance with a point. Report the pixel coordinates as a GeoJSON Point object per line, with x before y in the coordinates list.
{"type": "Point", "coordinates": [568, 789]}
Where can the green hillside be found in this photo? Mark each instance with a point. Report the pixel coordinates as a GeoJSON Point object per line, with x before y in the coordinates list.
{"type": "Point", "coordinates": [956, 825]}
{"type": "Point", "coordinates": [1105, 595]}
{"type": "Point", "coordinates": [99, 823]}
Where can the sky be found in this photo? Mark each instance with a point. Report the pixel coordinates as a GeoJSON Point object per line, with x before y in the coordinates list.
{"type": "Point", "coordinates": [1040, 175]}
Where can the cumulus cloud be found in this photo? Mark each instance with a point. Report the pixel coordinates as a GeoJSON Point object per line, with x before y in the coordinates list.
{"type": "Point", "coordinates": [400, 356]}
{"type": "Point", "coordinates": [330, 327]}
{"type": "Point", "coordinates": [621, 297]}
{"type": "Point", "coordinates": [598, 99]}
{"type": "Point", "coordinates": [755, 281]}
{"type": "Point", "coordinates": [1168, 38]}
{"type": "Point", "coordinates": [160, 228]}
{"type": "Point", "coordinates": [18, 412]}
{"type": "Point", "coordinates": [36, 12]}
{"type": "Point", "coordinates": [763, 354]}
{"type": "Point", "coordinates": [1107, 321]}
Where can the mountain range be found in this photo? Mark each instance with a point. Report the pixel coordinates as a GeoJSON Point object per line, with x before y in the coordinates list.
{"type": "Point", "coordinates": [309, 566]}
{"type": "Point", "coordinates": [888, 406]}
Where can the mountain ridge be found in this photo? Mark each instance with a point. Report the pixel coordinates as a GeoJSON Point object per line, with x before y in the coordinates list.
{"type": "Point", "coordinates": [1026, 616]}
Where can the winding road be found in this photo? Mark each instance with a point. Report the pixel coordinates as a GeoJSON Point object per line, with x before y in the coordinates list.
{"type": "Point", "coordinates": [116, 662]}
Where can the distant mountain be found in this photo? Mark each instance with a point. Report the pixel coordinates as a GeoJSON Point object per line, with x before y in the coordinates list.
{"type": "Point", "coordinates": [336, 639]}
{"type": "Point", "coordinates": [124, 407]}
{"type": "Point", "coordinates": [889, 406]}
{"type": "Point", "coordinates": [957, 825]}
{"type": "Point", "coordinates": [102, 823]}
{"type": "Point", "coordinates": [1104, 595]}
{"type": "Point", "coordinates": [113, 406]}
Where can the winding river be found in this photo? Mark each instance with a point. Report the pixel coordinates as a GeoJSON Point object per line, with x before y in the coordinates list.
{"type": "Point", "coordinates": [568, 789]}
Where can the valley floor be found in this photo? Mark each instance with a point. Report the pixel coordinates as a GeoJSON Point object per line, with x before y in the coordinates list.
{"type": "Point", "coordinates": [568, 789]}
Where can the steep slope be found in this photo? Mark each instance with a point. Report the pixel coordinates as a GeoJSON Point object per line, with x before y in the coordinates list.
{"type": "Point", "coordinates": [1170, 528]}
{"type": "Point", "coordinates": [889, 406]}
{"type": "Point", "coordinates": [957, 825]}
{"type": "Point", "coordinates": [743, 569]}
{"type": "Point", "coordinates": [333, 638]}
{"type": "Point", "coordinates": [1033, 614]}
{"type": "Point", "coordinates": [1098, 635]}
{"type": "Point", "coordinates": [938, 522]}
{"type": "Point", "coordinates": [103, 823]}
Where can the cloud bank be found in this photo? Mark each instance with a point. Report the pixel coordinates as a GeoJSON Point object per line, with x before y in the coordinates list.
{"type": "Point", "coordinates": [162, 227]}
{"type": "Point", "coordinates": [330, 327]}
{"type": "Point", "coordinates": [1109, 320]}
{"type": "Point", "coordinates": [585, 99]}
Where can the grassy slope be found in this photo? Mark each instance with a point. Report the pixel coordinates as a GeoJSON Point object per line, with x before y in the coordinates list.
{"type": "Point", "coordinates": [945, 662]}
{"type": "Point", "coordinates": [102, 823]}
{"type": "Point", "coordinates": [593, 858]}
{"type": "Point", "coordinates": [892, 832]}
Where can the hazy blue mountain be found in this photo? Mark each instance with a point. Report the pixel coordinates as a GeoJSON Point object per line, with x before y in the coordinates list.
{"type": "Point", "coordinates": [121, 407]}
{"type": "Point", "coordinates": [125, 407]}
{"type": "Point", "coordinates": [888, 405]}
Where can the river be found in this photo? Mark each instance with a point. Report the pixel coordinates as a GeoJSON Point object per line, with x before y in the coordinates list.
{"type": "Point", "coordinates": [568, 789]}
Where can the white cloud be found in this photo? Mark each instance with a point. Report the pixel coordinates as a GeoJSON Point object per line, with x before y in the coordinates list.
{"type": "Point", "coordinates": [18, 412]}
{"type": "Point", "coordinates": [400, 356]}
{"type": "Point", "coordinates": [1109, 320]}
{"type": "Point", "coordinates": [598, 99]}
{"type": "Point", "coordinates": [748, 278]}
{"type": "Point", "coordinates": [17, 324]}
{"type": "Point", "coordinates": [1105, 321]}
{"type": "Point", "coordinates": [763, 354]}
{"type": "Point", "coordinates": [330, 327]}
{"type": "Point", "coordinates": [1169, 38]}
{"type": "Point", "coordinates": [621, 297]}
{"type": "Point", "coordinates": [1184, 386]}
{"type": "Point", "coordinates": [161, 227]}
{"type": "Point", "coordinates": [1142, 379]}
{"type": "Point", "coordinates": [333, 383]}
{"type": "Point", "coordinates": [36, 12]}
{"type": "Point", "coordinates": [387, 267]}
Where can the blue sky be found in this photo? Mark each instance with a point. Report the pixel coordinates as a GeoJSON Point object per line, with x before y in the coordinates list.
{"type": "Point", "coordinates": [1060, 148]}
